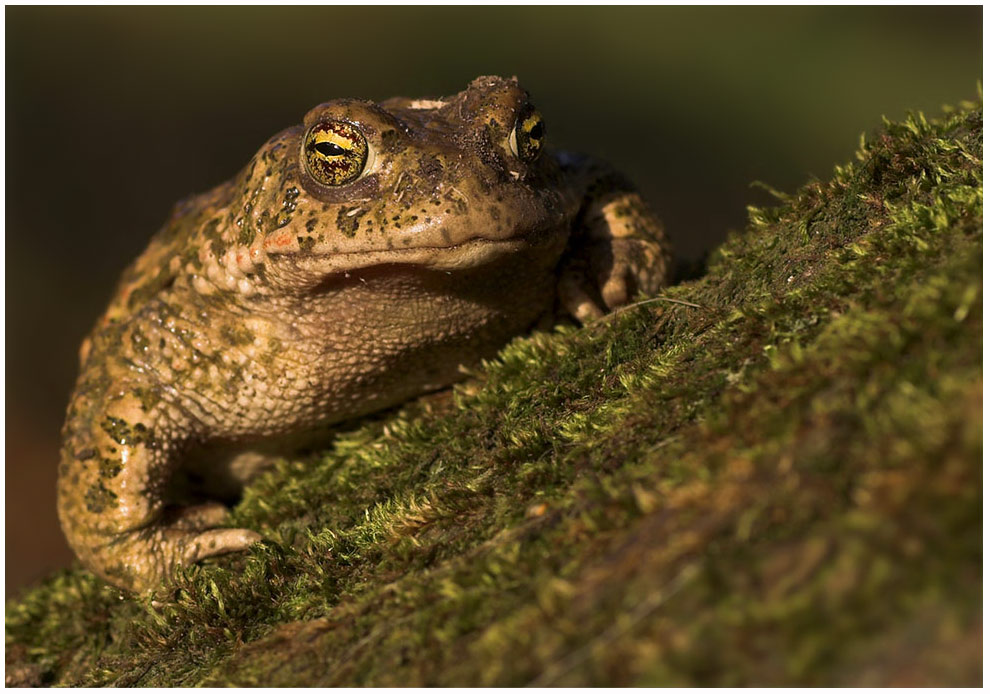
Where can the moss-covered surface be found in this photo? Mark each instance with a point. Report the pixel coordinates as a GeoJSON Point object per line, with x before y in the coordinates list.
{"type": "Point", "coordinates": [771, 477]}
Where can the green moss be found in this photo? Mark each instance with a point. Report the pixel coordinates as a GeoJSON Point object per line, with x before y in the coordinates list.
{"type": "Point", "coordinates": [772, 476]}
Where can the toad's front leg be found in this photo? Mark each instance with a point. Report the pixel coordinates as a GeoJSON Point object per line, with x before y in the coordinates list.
{"type": "Point", "coordinates": [118, 457]}
{"type": "Point", "coordinates": [618, 247]}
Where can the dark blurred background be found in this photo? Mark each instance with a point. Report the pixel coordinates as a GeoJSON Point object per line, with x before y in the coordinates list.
{"type": "Point", "coordinates": [114, 114]}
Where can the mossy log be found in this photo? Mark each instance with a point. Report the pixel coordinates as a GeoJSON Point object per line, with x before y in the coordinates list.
{"type": "Point", "coordinates": [771, 475]}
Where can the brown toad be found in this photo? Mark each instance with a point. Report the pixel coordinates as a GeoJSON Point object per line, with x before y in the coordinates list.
{"type": "Point", "coordinates": [354, 263]}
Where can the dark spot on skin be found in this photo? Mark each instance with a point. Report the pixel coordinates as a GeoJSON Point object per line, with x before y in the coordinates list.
{"type": "Point", "coordinates": [246, 236]}
{"type": "Point", "coordinates": [86, 454]}
{"type": "Point", "coordinates": [139, 341]}
{"type": "Point", "coordinates": [392, 142]}
{"type": "Point", "coordinates": [238, 334]}
{"type": "Point", "coordinates": [110, 467]}
{"type": "Point", "coordinates": [161, 281]}
{"type": "Point", "coordinates": [98, 498]}
{"type": "Point", "coordinates": [274, 347]}
{"type": "Point", "coordinates": [311, 224]}
{"type": "Point", "coordinates": [263, 222]}
{"type": "Point", "coordinates": [148, 397]}
{"type": "Point", "coordinates": [306, 243]}
{"type": "Point", "coordinates": [430, 169]}
{"type": "Point", "coordinates": [348, 225]}
{"type": "Point", "coordinates": [122, 432]}
{"type": "Point", "coordinates": [210, 230]}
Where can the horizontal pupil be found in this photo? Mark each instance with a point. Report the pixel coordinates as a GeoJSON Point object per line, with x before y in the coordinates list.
{"type": "Point", "coordinates": [329, 149]}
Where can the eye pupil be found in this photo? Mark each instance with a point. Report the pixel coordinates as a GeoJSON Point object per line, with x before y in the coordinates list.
{"type": "Point", "coordinates": [537, 131]}
{"type": "Point", "coordinates": [329, 149]}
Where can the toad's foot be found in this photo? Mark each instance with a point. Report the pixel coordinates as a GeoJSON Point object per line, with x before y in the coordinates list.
{"type": "Point", "coordinates": [142, 559]}
{"type": "Point", "coordinates": [621, 252]}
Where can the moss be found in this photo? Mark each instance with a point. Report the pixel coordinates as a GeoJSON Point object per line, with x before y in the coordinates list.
{"type": "Point", "coordinates": [769, 476]}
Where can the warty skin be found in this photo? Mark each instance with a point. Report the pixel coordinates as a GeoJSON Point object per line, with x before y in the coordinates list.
{"type": "Point", "coordinates": [356, 261]}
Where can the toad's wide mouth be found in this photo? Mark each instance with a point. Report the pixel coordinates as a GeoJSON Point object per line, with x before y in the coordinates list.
{"type": "Point", "coordinates": [468, 254]}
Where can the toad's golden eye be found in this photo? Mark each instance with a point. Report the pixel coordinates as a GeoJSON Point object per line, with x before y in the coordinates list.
{"type": "Point", "coordinates": [526, 139]}
{"type": "Point", "coordinates": [335, 152]}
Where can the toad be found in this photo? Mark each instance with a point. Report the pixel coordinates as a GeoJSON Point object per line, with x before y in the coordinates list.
{"type": "Point", "coordinates": [357, 260]}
